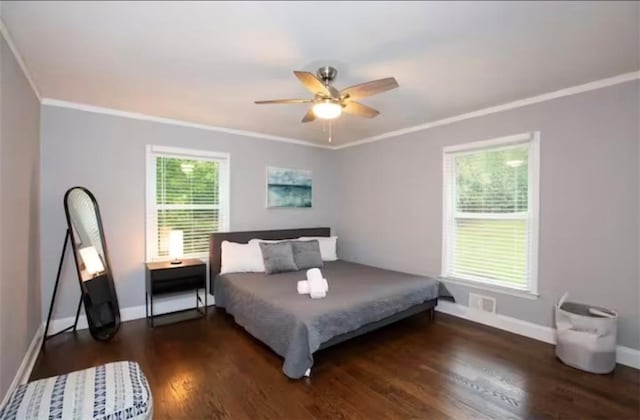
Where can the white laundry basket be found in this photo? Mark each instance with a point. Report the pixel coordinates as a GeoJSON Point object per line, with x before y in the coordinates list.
{"type": "Point", "coordinates": [586, 336]}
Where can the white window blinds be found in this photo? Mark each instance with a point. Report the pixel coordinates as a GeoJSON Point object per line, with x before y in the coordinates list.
{"type": "Point", "coordinates": [490, 227]}
{"type": "Point", "coordinates": [187, 191]}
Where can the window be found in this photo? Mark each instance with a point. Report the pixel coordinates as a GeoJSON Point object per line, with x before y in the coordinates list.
{"type": "Point", "coordinates": [491, 212]}
{"type": "Point", "coordinates": [187, 190]}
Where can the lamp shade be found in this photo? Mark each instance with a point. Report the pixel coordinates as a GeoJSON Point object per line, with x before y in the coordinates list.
{"type": "Point", "coordinates": [91, 259]}
{"type": "Point", "coordinates": [176, 247]}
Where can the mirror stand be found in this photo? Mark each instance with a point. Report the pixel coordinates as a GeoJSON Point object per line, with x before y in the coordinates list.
{"type": "Point", "coordinates": [73, 327]}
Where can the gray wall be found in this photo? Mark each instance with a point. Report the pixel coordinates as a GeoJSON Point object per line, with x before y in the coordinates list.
{"type": "Point", "coordinates": [391, 201]}
{"type": "Point", "coordinates": [107, 155]}
{"type": "Point", "coordinates": [384, 198]}
{"type": "Point", "coordinates": [20, 314]}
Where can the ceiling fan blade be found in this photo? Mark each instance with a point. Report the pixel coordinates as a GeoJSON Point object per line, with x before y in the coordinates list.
{"type": "Point", "coordinates": [309, 116]}
{"type": "Point", "coordinates": [356, 108]}
{"type": "Point", "coordinates": [370, 88]}
{"type": "Point", "coordinates": [315, 86]}
{"type": "Point", "coordinates": [284, 101]}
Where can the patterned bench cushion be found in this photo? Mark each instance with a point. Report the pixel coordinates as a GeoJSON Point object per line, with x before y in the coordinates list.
{"type": "Point", "coordinates": [113, 391]}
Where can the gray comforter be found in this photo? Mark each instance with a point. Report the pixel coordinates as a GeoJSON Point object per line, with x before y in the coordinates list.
{"type": "Point", "coordinates": [294, 326]}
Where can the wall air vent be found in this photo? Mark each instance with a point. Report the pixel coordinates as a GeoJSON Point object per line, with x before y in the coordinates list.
{"type": "Point", "coordinates": [482, 303]}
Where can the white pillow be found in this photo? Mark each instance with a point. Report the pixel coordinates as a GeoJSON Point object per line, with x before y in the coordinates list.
{"type": "Point", "coordinates": [327, 246]}
{"type": "Point", "coordinates": [241, 258]}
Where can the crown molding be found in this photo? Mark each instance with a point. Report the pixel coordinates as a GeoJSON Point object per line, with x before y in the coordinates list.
{"type": "Point", "coordinates": [170, 121]}
{"type": "Point", "coordinates": [7, 37]}
{"type": "Point", "coordinates": [586, 87]}
{"type": "Point", "coordinates": [597, 84]}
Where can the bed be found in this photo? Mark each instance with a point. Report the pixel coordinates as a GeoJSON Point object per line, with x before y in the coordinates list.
{"type": "Point", "coordinates": [361, 299]}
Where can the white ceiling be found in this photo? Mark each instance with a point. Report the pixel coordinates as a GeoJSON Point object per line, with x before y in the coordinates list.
{"type": "Point", "coordinates": [207, 62]}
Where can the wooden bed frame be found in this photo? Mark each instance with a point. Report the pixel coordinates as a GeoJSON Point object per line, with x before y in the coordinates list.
{"type": "Point", "coordinates": [245, 237]}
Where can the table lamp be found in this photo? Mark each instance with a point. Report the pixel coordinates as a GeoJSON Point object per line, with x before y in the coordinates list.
{"type": "Point", "coordinates": [176, 249]}
{"type": "Point", "coordinates": [91, 259]}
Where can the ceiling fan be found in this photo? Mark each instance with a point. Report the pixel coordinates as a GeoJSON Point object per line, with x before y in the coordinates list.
{"type": "Point", "coordinates": [329, 102]}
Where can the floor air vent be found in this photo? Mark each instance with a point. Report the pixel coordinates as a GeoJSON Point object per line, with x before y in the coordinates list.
{"type": "Point", "coordinates": [482, 303]}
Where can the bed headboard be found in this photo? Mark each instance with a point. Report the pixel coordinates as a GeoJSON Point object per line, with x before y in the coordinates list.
{"type": "Point", "coordinates": [216, 239]}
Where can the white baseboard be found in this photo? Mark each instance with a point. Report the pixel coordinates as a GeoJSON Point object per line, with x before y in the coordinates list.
{"type": "Point", "coordinates": [625, 355]}
{"type": "Point", "coordinates": [628, 356]}
{"type": "Point", "coordinates": [162, 305]}
{"type": "Point", "coordinates": [28, 362]}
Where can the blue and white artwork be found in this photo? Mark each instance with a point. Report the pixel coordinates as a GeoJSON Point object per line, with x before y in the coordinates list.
{"type": "Point", "coordinates": [288, 188]}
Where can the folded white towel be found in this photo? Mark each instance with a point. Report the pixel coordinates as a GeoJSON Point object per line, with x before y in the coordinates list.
{"type": "Point", "coordinates": [314, 279]}
{"type": "Point", "coordinates": [317, 294]}
{"type": "Point", "coordinates": [314, 274]}
{"type": "Point", "coordinates": [303, 286]}
{"type": "Point", "coordinates": [318, 286]}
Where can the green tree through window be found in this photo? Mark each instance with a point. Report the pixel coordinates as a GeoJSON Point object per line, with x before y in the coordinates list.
{"type": "Point", "coordinates": [187, 199]}
{"type": "Point", "coordinates": [492, 181]}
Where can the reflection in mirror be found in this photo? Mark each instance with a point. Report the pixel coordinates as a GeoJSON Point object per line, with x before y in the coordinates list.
{"type": "Point", "coordinates": [86, 233]}
{"type": "Point", "coordinates": [92, 263]}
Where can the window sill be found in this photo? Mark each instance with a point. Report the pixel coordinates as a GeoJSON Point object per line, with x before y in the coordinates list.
{"type": "Point", "coordinates": [526, 294]}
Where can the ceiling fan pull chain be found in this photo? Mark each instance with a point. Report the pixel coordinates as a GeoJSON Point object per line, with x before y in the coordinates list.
{"type": "Point", "coordinates": [330, 133]}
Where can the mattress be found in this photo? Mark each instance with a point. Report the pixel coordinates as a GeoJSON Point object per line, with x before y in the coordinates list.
{"type": "Point", "coordinates": [295, 326]}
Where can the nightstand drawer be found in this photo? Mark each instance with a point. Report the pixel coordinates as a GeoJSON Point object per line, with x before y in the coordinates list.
{"type": "Point", "coordinates": [178, 272]}
{"type": "Point", "coordinates": [177, 284]}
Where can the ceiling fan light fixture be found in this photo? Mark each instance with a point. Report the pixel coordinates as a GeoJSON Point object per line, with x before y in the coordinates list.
{"type": "Point", "coordinates": [329, 103]}
{"type": "Point", "coordinates": [327, 109]}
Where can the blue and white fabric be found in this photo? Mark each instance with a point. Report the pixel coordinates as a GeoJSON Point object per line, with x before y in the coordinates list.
{"type": "Point", "coordinates": [115, 391]}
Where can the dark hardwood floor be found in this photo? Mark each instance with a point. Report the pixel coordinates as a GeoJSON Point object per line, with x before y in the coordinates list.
{"type": "Point", "coordinates": [416, 368]}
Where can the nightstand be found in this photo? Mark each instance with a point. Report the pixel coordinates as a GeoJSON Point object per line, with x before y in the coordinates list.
{"type": "Point", "coordinates": [165, 278]}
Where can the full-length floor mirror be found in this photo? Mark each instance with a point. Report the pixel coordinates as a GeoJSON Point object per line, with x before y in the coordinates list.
{"type": "Point", "coordinates": [92, 263]}
{"type": "Point", "coordinates": [89, 247]}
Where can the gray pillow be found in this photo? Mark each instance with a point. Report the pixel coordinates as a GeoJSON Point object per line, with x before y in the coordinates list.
{"type": "Point", "coordinates": [306, 254]}
{"type": "Point", "coordinates": [278, 257]}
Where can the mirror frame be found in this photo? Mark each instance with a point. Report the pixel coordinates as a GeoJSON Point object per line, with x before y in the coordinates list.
{"type": "Point", "coordinates": [99, 333]}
